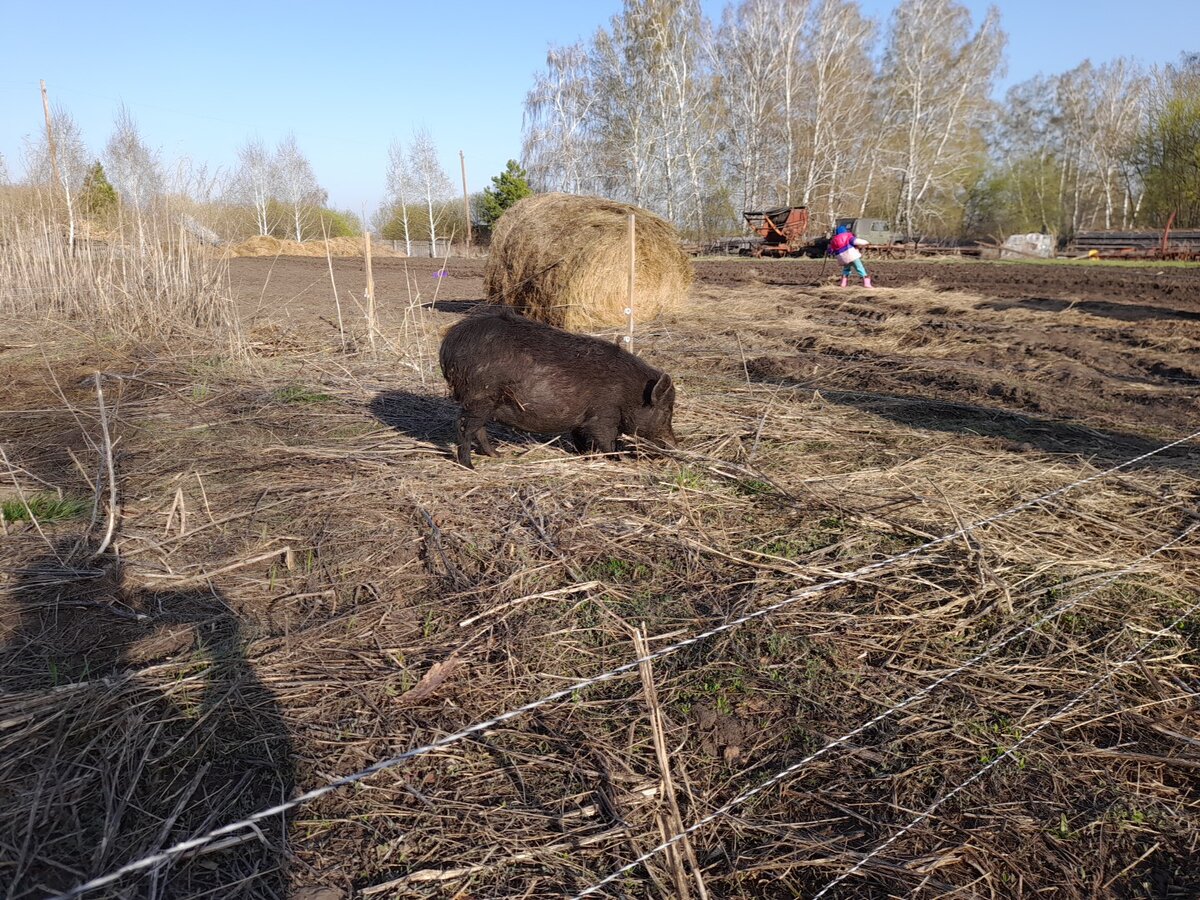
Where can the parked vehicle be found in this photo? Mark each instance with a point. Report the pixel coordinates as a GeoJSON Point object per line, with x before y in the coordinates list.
{"type": "Point", "coordinates": [881, 241]}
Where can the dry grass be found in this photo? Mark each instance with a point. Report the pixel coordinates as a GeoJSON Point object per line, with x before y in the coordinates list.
{"type": "Point", "coordinates": [160, 285]}
{"type": "Point", "coordinates": [338, 247]}
{"type": "Point", "coordinates": [307, 583]}
{"type": "Point", "coordinates": [564, 259]}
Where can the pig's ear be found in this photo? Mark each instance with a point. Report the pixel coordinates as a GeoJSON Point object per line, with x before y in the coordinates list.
{"type": "Point", "coordinates": [660, 390]}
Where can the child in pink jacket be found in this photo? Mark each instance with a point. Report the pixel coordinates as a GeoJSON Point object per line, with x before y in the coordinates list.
{"type": "Point", "coordinates": [844, 245]}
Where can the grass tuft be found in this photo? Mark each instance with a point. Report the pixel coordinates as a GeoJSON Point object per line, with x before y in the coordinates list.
{"type": "Point", "coordinates": [46, 508]}
{"type": "Point", "coordinates": [297, 393]}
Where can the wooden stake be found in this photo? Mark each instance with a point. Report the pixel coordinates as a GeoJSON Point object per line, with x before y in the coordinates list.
{"type": "Point", "coordinates": [336, 302]}
{"type": "Point", "coordinates": [114, 511]}
{"type": "Point", "coordinates": [672, 821]}
{"type": "Point", "coordinates": [370, 293]}
{"type": "Point", "coordinates": [466, 200]}
{"type": "Point", "coordinates": [632, 265]}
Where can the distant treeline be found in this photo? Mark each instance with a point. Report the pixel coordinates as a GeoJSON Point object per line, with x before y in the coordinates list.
{"type": "Point", "coordinates": [813, 103]}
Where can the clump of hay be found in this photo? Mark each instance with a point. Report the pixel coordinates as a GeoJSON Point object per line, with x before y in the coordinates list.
{"type": "Point", "coordinates": [265, 245]}
{"type": "Point", "coordinates": [564, 259]}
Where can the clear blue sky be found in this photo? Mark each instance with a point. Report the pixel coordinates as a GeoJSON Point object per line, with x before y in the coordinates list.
{"type": "Point", "coordinates": [202, 77]}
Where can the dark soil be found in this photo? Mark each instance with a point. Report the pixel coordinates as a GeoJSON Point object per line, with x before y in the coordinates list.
{"type": "Point", "coordinates": [1127, 293]}
{"type": "Point", "coordinates": [299, 286]}
{"type": "Point", "coordinates": [1113, 350]}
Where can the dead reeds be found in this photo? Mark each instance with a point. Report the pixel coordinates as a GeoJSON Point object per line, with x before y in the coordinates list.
{"type": "Point", "coordinates": [160, 285]}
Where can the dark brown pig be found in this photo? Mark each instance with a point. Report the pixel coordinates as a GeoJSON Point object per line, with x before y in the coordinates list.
{"type": "Point", "coordinates": [503, 367]}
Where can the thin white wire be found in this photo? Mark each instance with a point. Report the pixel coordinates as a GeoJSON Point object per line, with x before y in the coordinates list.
{"type": "Point", "coordinates": [169, 853]}
{"type": "Point", "coordinates": [1075, 701]}
{"type": "Point", "coordinates": [903, 704]}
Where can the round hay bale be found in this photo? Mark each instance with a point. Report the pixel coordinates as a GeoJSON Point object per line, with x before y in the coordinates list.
{"type": "Point", "coordinates": [564, 259]}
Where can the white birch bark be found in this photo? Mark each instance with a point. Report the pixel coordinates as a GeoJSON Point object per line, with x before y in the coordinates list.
{"type": "Point", "coordinates": [431, 180]}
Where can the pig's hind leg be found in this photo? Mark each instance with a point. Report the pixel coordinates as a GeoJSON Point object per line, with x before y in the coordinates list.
{"type": "Point", "coordinates": [484, 442]}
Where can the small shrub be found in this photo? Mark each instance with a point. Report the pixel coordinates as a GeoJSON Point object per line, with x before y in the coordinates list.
{"type": "Point", "coordinates": [340, 223]}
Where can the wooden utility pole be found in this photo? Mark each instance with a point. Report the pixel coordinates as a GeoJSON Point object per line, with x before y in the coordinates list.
{"type": "Point", "coordinates": [50, 134]}
{"type": "Point", "coordinates": [466, 200]}
{"type": "Point", "coordinates": [54, 169]}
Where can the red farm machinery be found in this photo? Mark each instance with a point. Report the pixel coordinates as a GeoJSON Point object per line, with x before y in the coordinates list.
{"type": "Point", "coordinates": [782, 230]}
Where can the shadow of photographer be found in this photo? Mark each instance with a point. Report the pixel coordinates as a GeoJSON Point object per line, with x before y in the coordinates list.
{"type": "Point", "coordinates": [130, 720]}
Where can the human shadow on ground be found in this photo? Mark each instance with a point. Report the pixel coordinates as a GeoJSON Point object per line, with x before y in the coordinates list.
{"type": "Point", "coordinates": [1124, 312]}
{"type": "Point", "coordinates": [1022, 431]}
{"type": "Point", "coordinates": [432, 419]}
{"type": "Point", "coordinates": [132, 721]}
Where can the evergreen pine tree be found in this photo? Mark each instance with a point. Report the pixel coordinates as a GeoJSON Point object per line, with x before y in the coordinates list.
{"type": "Point", "coordinates": [98, 196]}
{"type": "Point", "coordinates": [507, 188]}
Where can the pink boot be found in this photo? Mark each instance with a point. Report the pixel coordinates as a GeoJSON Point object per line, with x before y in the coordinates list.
{"type": "Point", "coordinates": [867, 281]}
{"type": "Point", "coordinates": [845, 281]}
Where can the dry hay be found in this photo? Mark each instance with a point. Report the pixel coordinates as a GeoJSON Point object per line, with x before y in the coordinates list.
{"type": "Point", "coordinates": [564, 259]}
{"type": "Point", "coordinates": [340, 591]}
{"type": "Point", "coordinates": [265, 245]}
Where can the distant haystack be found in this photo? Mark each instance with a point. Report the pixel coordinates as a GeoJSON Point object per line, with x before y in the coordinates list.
{"type": "Point", "coordinates": [265, 245]}
{"type": "Point", "coordinates": [564, 259]}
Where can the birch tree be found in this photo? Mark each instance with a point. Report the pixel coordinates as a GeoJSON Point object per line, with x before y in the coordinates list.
{"type": "Point", "coordinates": [256, 182]}
{"type": "Point", "coordinates": [681, 45]}
{"type": "Point", "coordinates": [791, 28]}
{"type": "Point", "coordinates": [1073, 115]}
{"type": "Point", "coordinates": [70, 152]}
{"type": "Point", "coordinates": [838, 129]}
{"type": "Point", "coordinates": [626, 143]}
{"type": "Point", "coordinates": [651, 76]}
{"type": "Point", "coordinates": [1029, 145]}
{"type": "Point", "coordinates": [431, 181]}
{"type": "Point", "coordinates": [748, 55]}
{"type": "Point", "coordinates": [134, 169]}
{"type": "Point", "coordinates": [1168, 152]}
{"type": "Point", "coordinates": [401, 189]}
{"type": "Point", "coordinates": [1120, 93]}
{"type": "Point", "coordinates": [938, 78]}
{"type": "Point", "coordinates": [783, 105]}
{"type": "Point", "coordinates": [556, 121]}
{"type": "Point", "coordinates": [298, 187]}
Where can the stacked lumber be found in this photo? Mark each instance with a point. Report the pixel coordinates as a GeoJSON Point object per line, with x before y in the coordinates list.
{"type": "Point", "coordinates": [1136, 243]}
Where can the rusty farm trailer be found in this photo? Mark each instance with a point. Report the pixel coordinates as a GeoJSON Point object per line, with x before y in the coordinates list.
{"type": "Point", "coordinates": [782, 230]}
